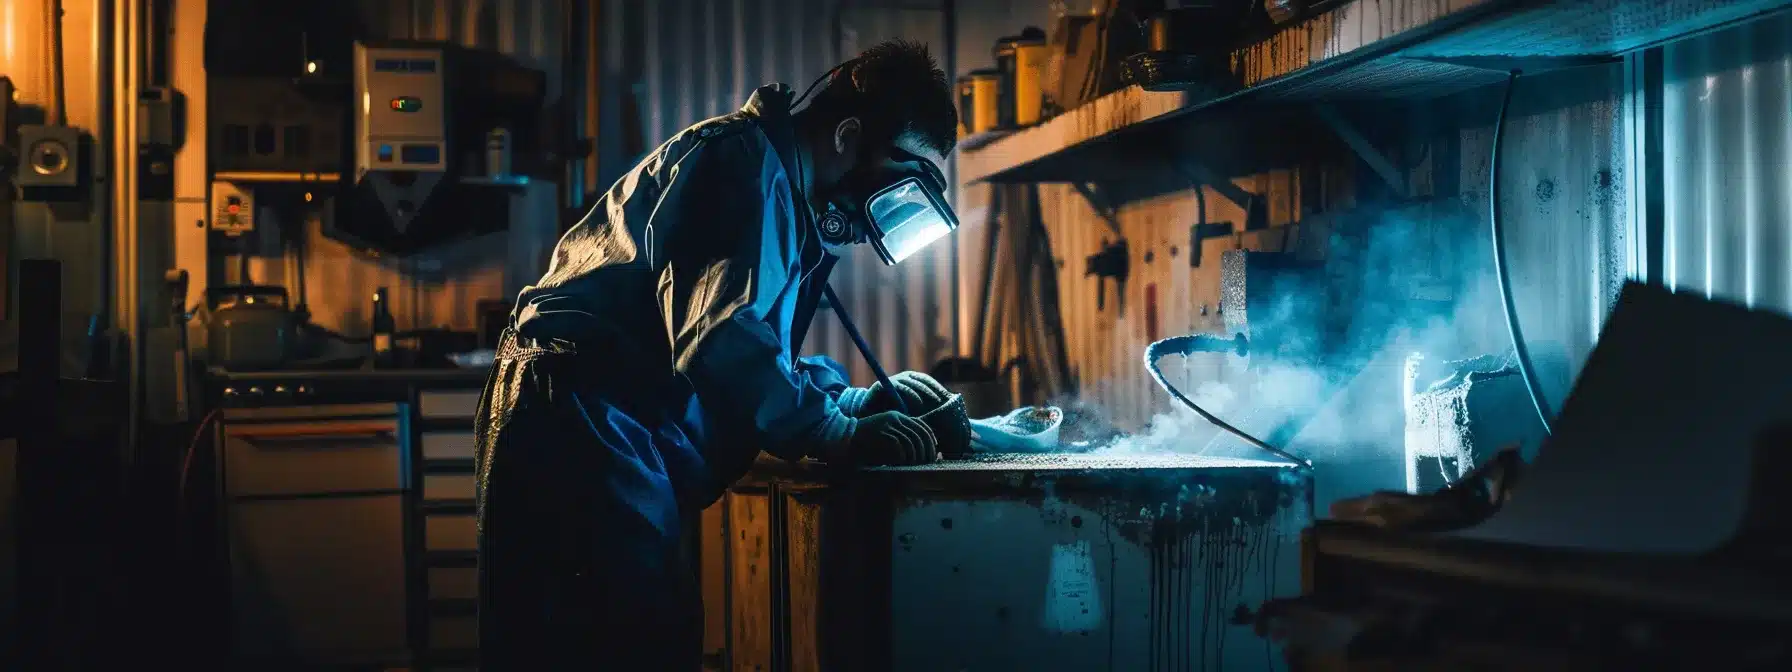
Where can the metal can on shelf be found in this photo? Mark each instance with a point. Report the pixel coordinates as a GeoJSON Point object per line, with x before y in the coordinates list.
{"type": "Point", "coordinates": [1022, 60]}
{"type": "Point", "coordinates": [985, 101]}
{"type": "Point", "coordinates": [966, 90]}
{"type": "Point", "coordinates": [1283, 11]}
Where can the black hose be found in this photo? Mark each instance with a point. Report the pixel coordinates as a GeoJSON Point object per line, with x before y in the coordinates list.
{"type": "Point", "coordinates": [1183, 345]}
{"type": "Point", "coordinates": [1496, 227]}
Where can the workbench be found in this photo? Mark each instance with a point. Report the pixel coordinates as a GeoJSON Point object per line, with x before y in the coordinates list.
{"type": "Point", "coordinates": [1001, 562]}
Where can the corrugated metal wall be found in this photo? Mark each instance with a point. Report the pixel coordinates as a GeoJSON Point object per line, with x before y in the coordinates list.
{"type": "Point", "coordinates": [687, 60]}
{"type": "Point", "coordinates": [907, 308]}
{"type": "Point", "coordinates": [1727, 158]}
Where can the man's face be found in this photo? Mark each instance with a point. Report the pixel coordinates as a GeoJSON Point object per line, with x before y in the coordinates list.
{"type": "Point", "coordinates": [877, 166]}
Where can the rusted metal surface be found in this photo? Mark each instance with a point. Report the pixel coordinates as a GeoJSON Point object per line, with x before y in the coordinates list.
{"type": "Point", "coordinates": [1065, 561]}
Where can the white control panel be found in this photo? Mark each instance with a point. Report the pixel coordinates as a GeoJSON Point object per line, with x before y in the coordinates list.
{"type": "Point", "coordinates": [401, 124]}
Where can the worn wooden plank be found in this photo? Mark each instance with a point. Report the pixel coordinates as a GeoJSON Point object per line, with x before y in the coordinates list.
{"type": "Point", "coordinates": [803, 558]}
{"type": "Point", "coordinates": [750, 579]}
{"type": "Point", "coordinates": [713, 559]}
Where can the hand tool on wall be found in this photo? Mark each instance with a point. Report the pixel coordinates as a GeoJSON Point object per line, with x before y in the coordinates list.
{"type": "Point", "coordinates": [1113, 263]}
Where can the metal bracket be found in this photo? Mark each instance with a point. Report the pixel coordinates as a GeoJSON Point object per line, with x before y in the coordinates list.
{"type": "Point", "coordinates": [1365, 150]}
{"type": "Point", "coordinates": [1103, 206]}
{"type": "Point", "coordinates": [1203, 176]}
{"type": "Point", "coordinates": [1199, 233]}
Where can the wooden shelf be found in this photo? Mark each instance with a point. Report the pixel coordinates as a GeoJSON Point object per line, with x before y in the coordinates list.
{"type": "Point", "coordinates": [1367, 50]}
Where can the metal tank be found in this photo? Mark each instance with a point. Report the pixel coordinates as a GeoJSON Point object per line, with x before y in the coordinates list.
{"type": "Point", "coordinates": [1003, 562]}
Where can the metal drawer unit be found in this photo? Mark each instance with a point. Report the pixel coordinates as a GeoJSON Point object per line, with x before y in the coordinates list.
{"type": "Point", "coordinates": [444, 567]}
{"type": "Point", "coordinates": [314, 517]}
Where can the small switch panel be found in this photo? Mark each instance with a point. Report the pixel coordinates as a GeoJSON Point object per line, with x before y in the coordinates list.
{"type": "Point", "coordinates": [233, 209]}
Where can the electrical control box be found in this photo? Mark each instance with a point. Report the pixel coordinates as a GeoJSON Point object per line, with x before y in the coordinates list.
{"type": "Point", "coordinates": [49, 156]}
{"type": "Point", "coordinates": [233, 209]}
{"type": "Point", "coordinates": [402, 124]}
{"type": "Point", "coordinates": [401, 127]}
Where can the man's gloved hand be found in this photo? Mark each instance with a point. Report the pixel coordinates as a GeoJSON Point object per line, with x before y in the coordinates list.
{"type": "Point", "coordinates": [919, 392]}
{"type": "Point", "coordinates": [890, 439]}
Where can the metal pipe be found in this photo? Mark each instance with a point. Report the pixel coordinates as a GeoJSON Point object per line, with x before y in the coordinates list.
{"type": "Point", "coordinates": [1502, 274]}
{"type": "Point", "coordinates": [127, 73]}
{"type": "Point", "coordinates": [1184, 345]}
{"type": "Point", "coordinates": [267, 176]}
{"type": "Point", "coordinates": [57, 100]}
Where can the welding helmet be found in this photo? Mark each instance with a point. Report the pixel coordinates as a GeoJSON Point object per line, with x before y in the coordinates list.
{"type": "Point", "coordinates": [899, 207]}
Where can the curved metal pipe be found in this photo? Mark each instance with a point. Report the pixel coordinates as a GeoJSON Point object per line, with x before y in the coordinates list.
{"type": "Point", "coordinates": [1183, 345]}
{"type": "Point", "coordinates": [1497, 229]}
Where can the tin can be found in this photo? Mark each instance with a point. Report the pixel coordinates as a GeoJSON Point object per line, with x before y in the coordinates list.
{"type": "Point", "coordinates": [497, 153]}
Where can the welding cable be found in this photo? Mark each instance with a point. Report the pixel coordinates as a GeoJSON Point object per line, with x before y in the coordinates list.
{"type": "Point", "coordinates": [1496, 228]}
{"type": "Point", "coordinates": [186, 465]}
{"type": "Point", "coordinates": [858, 340]}
{"type": "Point", "coordinates": [1185, 345]}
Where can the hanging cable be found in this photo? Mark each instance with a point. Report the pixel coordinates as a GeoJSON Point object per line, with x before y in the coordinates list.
{"type": "Point", "coordinates": [1185, 345]}
{"type": "Point", "coordinates": [852, 331]}
{"type": "Point", "coordinates": [58, 99]}
{"type": "Point", "coordinates": [1496, 228]}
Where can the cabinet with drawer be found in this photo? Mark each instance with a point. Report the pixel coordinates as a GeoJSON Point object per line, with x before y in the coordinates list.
{"type": "Point", "coordinates": [314, 518]}
{"type": "Point", "coordinates": [347, 512]}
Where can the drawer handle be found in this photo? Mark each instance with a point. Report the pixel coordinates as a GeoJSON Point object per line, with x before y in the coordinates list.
{"type": "Point", "coordinates": [302, 432]}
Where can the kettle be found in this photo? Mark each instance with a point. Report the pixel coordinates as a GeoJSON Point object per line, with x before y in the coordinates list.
{"type": "Point", "coordinates": [251, 327]}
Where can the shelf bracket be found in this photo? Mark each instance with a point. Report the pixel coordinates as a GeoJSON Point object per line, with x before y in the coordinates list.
{"type": "Point", "coordinates": [1103, 206]}
{"type": "Point", "coordinates": [1202, 176]}
{"type": "Point", "coordinates": [1365, 150]}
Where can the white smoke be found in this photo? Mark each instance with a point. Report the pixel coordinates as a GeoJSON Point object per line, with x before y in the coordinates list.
{"type": "Point", "coordinates": [1361, 410]}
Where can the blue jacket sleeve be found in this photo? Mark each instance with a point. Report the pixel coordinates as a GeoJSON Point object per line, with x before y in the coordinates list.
{"type": "Point", "coordinates": [728, 294]}
{"type": "Point", "coordinates": [825, 373]}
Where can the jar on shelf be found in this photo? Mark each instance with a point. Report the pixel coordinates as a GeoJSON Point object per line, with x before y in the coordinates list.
{"type": "Point", "coordinates": [1022, 61]}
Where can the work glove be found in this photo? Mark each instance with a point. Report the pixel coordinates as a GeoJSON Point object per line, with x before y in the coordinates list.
{"type": "Point", "coordinates": [889, 439]}
{"type": "Point", "coordinates": [919, 392]}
